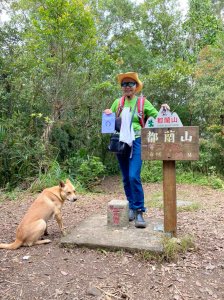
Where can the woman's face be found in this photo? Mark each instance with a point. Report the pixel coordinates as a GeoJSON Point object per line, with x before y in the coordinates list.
{"type": "Point", "coordinates": [128, 87]}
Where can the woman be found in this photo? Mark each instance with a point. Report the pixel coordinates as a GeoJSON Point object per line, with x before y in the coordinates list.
{"type": "Point", "coordinates": [130, 165]}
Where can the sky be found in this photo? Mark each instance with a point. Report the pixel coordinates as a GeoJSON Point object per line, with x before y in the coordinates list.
{"type": "Point", "coordinates": [3, 17]}
{"type": "Point", "coordinates": [183, 5]}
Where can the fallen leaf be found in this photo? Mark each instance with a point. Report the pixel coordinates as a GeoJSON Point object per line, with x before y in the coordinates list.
{"type": "Point", "coordinates": [198, 283]}
{"type": "Point", "coordinates": [64, 273]}
{"type": "Point", "coordinates": [58, 292]}
{"type": "Point", "coordinates": [210, 267]}
{"type": "Point", "coordinates": [177, 297]}
{"type": "Point", "coordinates": [26, 257]}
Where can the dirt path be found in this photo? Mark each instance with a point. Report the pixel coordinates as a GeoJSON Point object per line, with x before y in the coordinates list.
{"type": "Point", "coordinates": [50, 272]}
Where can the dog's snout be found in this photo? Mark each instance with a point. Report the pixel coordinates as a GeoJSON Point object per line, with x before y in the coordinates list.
{"type": "Point", "coordinates": [74, 199]}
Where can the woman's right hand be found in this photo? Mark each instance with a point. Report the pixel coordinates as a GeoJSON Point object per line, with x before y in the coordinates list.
{"type": "Point", "coordinates": [108, 111]}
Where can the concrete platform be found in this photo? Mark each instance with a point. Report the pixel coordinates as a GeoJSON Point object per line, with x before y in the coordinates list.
{"type": "Point", "coordinates": [95, 233]}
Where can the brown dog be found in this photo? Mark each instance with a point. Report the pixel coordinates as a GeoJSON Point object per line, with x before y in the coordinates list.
{"type": "Point", "coordinates": [34, 223]}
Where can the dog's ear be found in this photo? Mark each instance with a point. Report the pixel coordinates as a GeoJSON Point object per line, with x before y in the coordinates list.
{"type": "Point", "coordinates": [61, 184]}
{"type": "Point", "coordinates": [68, 181]}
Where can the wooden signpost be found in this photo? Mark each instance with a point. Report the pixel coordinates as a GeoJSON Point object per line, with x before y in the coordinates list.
{"type": "Point", "coordinates": [168, 140]}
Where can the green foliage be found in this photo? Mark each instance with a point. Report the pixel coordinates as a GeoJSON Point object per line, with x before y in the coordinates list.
{"type": "Point", "coordinates": [216, 182]}
{"type": "Point", "coordinates": [111, 164]}
{"type": "Point", "coordinates": [58, 67]}
{"type": "Point", "coordinates": [160, 23]}
{"type": "Point", "coordinates": [2, 133]}
{"type": "Point", "coordinates": [170, 84]}
{"type": "Point", "coordinates": [152, 171]}
{"type": "Point", "coordinates": [50, 178]}
{"type": "Point", "coordinates": [91, 171]}
{"type": "Point", "coordinates": [23, 155]}
{"type": "Point", "coordinates": [198, 172]}
{"type": "Point", "coordinates": [61, 140]}
{"type": "Point", "coordinates": [73, 163]}
{"type": "Point", "coordinates": [207, 105]}
{"type": "Point", "coordinates": [184, 176]}
{"type": "Point", "coordinates": [88, 170]}
{"type": "Point", "coordinates": [201, 26]}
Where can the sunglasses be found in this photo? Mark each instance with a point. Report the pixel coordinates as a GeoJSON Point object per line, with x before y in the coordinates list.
{"type": "Point", "coordinates": [125, 84]}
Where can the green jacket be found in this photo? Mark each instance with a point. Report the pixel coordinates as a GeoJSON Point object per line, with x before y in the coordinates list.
{"type": "Point", "coordinates": [149, 110]}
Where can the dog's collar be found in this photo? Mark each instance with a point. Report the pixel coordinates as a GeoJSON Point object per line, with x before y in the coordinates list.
{"type": "Point", "coordinates": [59, 198]}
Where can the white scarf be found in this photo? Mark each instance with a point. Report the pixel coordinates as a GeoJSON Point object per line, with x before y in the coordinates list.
{"type": "Point", "coordinates": [127, 134]}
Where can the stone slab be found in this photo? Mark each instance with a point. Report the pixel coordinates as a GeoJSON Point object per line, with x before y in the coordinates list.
{"type": "Point", "coordinates": [183, 203]}
{"type": "Point", "coordinates": [94, 233]}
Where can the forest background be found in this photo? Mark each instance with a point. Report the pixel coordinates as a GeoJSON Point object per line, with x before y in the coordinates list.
{"type": "Point", "coordinates": [58, 65]}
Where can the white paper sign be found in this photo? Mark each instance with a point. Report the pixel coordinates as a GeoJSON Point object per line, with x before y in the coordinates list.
{"type": "Point", "coordinates": [165, 118]}
{"type": "Point", "coordinates": [108, 123]}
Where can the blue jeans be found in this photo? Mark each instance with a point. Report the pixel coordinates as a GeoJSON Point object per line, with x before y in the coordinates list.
{"type": "Point", "coordinates": [131, 175]}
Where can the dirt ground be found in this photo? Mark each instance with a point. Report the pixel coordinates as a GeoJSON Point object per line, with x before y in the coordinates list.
{"type": "Point", "coordinates": [51, 272]}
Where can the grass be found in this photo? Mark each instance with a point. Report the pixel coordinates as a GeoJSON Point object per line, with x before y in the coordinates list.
{"type": "Point", "coordinates": [192, 207]}
{"type": "Point", "coordinates": [11, 195]}
{"type": "Point", "coordinates": [172, 248]}
{"type": "Point", "coordinates": [149, 256]}
{"type": "Point", "coordinates": [156, 201]}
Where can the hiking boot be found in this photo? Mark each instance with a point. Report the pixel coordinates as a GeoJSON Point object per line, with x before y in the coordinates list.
{"type": "Point", "coordinates": [139, 221]}
{"type": "Point", "coordinates": [131, 215]}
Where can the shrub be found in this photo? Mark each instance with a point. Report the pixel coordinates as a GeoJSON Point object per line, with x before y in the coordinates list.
{"type": "Point", "coordinates": [152, 171]}
{"type": "Point", "coordinates": [52, 177]}
{"type": "Point", "coordinates": [87, 170]}
{"type": "Point", "coordinates": [215, 182]}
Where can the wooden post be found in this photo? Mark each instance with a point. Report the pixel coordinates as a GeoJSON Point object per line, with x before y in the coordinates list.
{"type": "Point", "coordinates": [169, 197]}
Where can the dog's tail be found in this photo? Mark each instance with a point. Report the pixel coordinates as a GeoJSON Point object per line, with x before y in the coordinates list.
{"type": "Point", "coordinates": [13, 246]}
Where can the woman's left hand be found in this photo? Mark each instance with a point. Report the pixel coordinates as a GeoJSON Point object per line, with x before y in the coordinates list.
{"type": "Point", "coordinates": [165, 106]}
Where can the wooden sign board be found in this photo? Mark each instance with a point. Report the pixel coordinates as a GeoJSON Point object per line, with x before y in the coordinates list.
{"type": "Point", "coordinates": [174, 143]}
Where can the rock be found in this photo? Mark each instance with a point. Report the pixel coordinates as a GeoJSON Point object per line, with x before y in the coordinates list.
{"type": "Point", "coordinates": [92, 290]}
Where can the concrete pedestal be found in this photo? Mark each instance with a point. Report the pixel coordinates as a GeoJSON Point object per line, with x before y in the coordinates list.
{"type": "Point", "coordinates": [117, 213]}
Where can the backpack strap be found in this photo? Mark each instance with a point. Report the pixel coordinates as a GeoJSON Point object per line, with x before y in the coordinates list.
{"type": "Point", "coordinates": [120, 106]}
{"type": "Point", "coordinates": [141, 102]}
